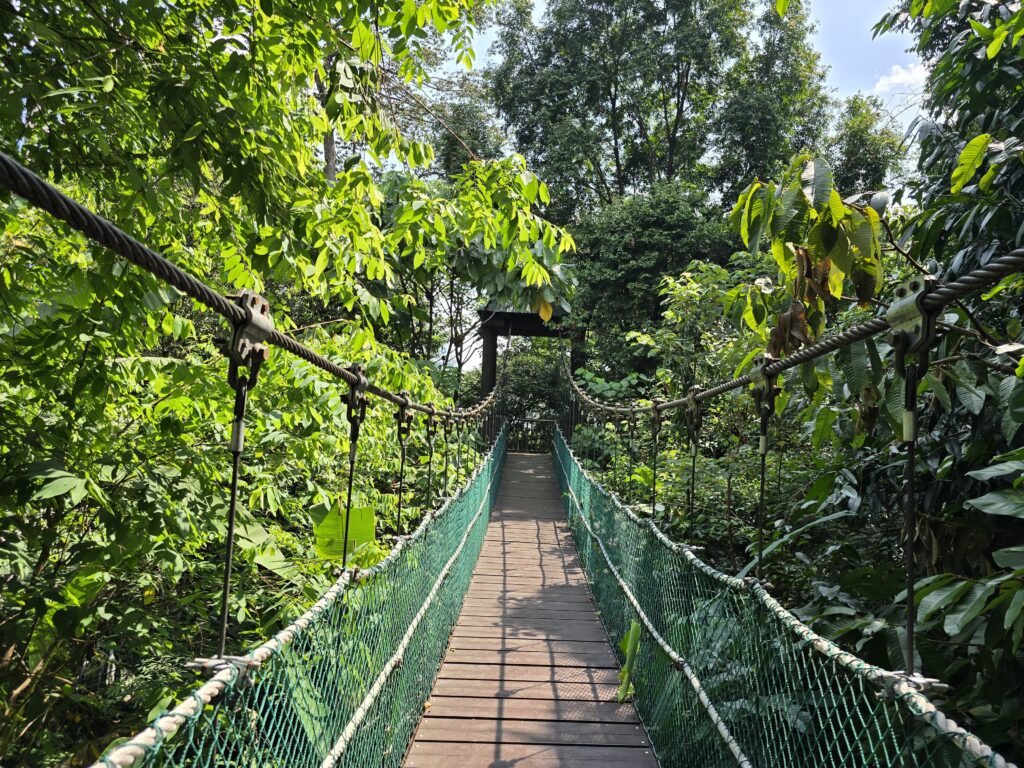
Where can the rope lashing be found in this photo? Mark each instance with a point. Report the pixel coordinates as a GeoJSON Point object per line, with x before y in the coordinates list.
{"type": "Point", "coordinates": [356, 413]}
{"type": "Point", "coordinates": [765, 392]}
{"type": "Point", "coordinates": [913, 335]}
{"type": "Point", "coordinates": [694, 417]}
{"type": "Point", "coordinates": [403, 419]}
{"type": "Point", "coordinates": [246, 350]}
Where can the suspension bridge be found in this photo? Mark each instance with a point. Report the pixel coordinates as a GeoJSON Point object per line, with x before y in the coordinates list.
{"type": "Point", "coordinates": [534, 618]}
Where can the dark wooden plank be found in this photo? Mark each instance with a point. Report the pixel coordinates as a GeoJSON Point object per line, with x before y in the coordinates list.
{"type": "Point", "coordinates": [531, 658]}
{"type": "Point", "coordinates": [511, 613]}
{"type": "Point", "coordinates": [532, 709]}
{"type": "Point", "coordinates": [442, 755]}
{"type": "Point", "coordinates": [528, 673]}
{"type": "Point", "coordinates": [529, 644]}
{"type": "Point", "coordinates": [532, 732]}
{"type": "Point", "coordinates": [531, 756]}
{"type": "Point", "coordinates": [535, 689]}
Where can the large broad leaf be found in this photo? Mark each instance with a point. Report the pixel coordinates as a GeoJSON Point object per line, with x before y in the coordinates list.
{"type": "Point", "coordinates": [1011, 557]}
{"type": "Point", "coordinates": [968, 608]}
{"type": "Point", "coordinates": [971, 158]}
{"type": "Point", "coordinates": [940, 598]}
{"type": "Point", "coordinates": [817, 182]}
{"type": "Point", "coordinates": [329, 529]}
{"type": "Point", "coordinates": [1009, 502]}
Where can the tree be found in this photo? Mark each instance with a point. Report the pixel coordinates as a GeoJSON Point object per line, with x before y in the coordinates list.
{"type": "Point", "coordinates": [864, 149]}
{"type": "Point", "coordinates": [624, 251]}
{"type": "Point", "coordinates": [199, 127]}
{"type": "Point", "coordinates": [609, 97]}
{"type": "Point", "coordinates": [775, 103]}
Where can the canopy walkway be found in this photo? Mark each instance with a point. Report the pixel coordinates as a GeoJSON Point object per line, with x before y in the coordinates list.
{"type": "Point", "coordinates": [529, 678]}
{"type": "Point", "coordinates": [491, 636]}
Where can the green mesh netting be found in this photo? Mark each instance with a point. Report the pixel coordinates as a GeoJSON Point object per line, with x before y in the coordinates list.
{"type": "Point", "coordinates": [774, 693]}
{"type": "Point", "coordinates": [348, 684]}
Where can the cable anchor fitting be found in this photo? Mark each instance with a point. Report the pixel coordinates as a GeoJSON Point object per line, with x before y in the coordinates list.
{"type": "Point", "coordinates": [356, 408]}
{"type": "Point", "coordinates": [693, 416]}
{"type": "Point", "coordinates": [765, 392]}
{"type": "Point", "coordinates": [404, 418]}
{"type": "Point", "coordinates": [914, 332]}
{"type": "Point", "coordinates": [247, 347]}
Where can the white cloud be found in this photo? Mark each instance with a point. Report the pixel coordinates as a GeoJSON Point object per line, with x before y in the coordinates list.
{"type": "Point", "coordinates": [902, 79]}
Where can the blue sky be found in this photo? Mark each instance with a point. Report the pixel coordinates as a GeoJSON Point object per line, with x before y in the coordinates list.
{"type": "Point", "coordinates": [856, 61]}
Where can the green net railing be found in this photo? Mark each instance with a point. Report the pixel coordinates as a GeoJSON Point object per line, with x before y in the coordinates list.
{"type": "Point", "coordinates": [726, 676]}
{"type": "Point", "coordinates": [346, 683]}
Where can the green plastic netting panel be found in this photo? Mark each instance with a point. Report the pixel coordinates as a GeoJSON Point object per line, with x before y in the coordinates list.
{"type": "Point", "coordinates": [746, 683]}
{"type": "Point", "coordinates": [346, 684]}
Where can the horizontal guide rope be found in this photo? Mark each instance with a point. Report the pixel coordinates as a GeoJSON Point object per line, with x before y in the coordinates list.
{"type": "Point", "coordinates": [24, 183]}
{"type": "Point", "coordinates": [680, 663]}
{"type": "Point", "coordinates": [373, 694]}
{"type": "Point", "coordinates": [167, 725]}
{"type": "Point", "coordinates": [942, 296]}
{"type": "Point", "coordinates": [901, 687]}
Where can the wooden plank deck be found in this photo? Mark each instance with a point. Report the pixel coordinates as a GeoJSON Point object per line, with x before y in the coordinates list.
{"type": "Point", "coordinates": [529, 679]}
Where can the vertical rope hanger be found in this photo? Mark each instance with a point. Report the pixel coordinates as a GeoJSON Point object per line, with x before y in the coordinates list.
{"type": "Point", "coordinates": [356, 412]}
{"type": "Point", "coordinates": [694, 418]}
{"type": "Point", "coordinates": [403, 418]}
{"type": "Point", "coordinates": [431, 429]}
{"type": "Point", "coordinates": [245, 350]}
{"type": "Point", "coordinates": [913, 335]}
{"type": "Point", "coordinates": [765, 392]}
{"type": "Point", "coordinates": [655, 431]}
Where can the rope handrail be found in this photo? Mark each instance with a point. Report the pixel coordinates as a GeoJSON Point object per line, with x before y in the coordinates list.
{"type": "Point", "coordinates": [680, 663]}
{"type": "Point", "coordinates": [942, 296]}
{"type": "Point", "coordinates": [43, 195]}
{"type": "Point", "coordinates": [191, 708]}
{"type": "Point", "coordinates": [904, 688]}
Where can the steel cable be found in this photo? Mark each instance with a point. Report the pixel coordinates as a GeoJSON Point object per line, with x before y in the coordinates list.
{"type": "Point", "coordinates": [43, 195]}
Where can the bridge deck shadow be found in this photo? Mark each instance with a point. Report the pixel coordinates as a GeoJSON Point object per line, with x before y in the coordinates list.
{"type": "Point", "coordinates": [529, 679]}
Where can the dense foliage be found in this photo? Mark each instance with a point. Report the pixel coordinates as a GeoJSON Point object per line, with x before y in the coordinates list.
{"type": "Point", "coordinates": [821, 256]}
{"type": "Point", "coordinates": [266, 146]}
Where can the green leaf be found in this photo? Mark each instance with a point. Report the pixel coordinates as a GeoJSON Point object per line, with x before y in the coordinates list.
{"type": "Point", "coordinates": [1011, 557]}
{"type": "Point", "coordinates": [60, 485]}
{"type": "Point", "coordinates": [940, 598]}
{"type": "Point", "coordinates": [817, 182]}
{"type": "Point", "coordinates": [997, 470]}
{"type": "Point", "coordinates": [329, 529]}
{"type": "Point", "coordinates": [781, 6]}
{"type": "Point", "coordinates": [1009, 503]}
{"type": "Point", "coordinates": [1016, 605]}
{"type": "Point", "coordinates": [971, 159]}
{"type": "Point", "coordinates": [940, 391]}
{"type": "Point", "coordinates": [968, 609]}
{"type": "Point", "coordinates": [629, 646]}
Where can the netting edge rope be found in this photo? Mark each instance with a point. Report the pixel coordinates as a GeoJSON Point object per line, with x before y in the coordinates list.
{"type": "Point", "coordinates": [677, 660]}
{"type": "Point", "coordinates": [167, 725]}
{"type": "Point", "coordinates": [900, 686]}
{"type": "Point", "coordinates": [349, 731]}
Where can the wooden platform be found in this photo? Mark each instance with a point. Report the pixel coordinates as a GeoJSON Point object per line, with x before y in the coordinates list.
{"type": "Point", "coordinates": [529, 679]}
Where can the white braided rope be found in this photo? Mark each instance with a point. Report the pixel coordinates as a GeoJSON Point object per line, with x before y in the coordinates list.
{"type": "Point", "coordinates": [678, 661]}
{"type": "Point", "coordinates": [167, 725]}
{"type": "Point", "coordinates": [901, 686]}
